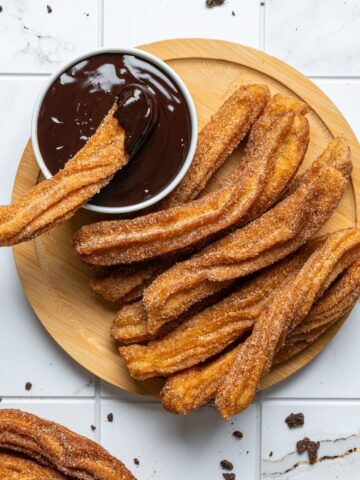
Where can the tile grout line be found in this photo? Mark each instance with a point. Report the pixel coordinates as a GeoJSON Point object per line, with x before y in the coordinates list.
{"type": "Point", "coordinates": [262, 24]}
{"type": "Point", "coordinates": [101, 23]}
{"type": "Point", "coordinates": [259, 436]}
{"type": "Point", "coordinates": [315, 400]}
{"type": "Point", "coordinates": [97, 409]}
{"type": "Point", "coordinates": [25, 74]}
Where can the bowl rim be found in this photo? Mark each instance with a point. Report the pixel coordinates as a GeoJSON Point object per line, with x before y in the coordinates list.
{"type": "Point", "coordinates": [189, 103]}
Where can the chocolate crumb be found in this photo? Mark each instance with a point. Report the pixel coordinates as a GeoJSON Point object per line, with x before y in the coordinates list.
{"type": "Point", "coordinates": [1, 8]}
{"type": "Point", "coordinates": [295, 420]}
{"type": "Point", "coordinates": [214, 3]}
{"type": "Point", "coordinates": [110, 417]}
{"type": "Point", "coordinates": [93, 428]}
{"type": "Point", "coordinates": [49, 9]}
{"type": "Point", "coordinates": [270, 454]}
{"type": "Point", "coordinates": [136, 461]}
{"type": "Point", "coordinates": [247, 452]}
{"type": "Point", "coordinates": [28, 386]}
{"type": "Point", "coordinates": [238, 434]}
{"type": "Point", "coordinates": [311, 447]}
{"type": "Point", "coordinates": [233, 13]}
{"type": "Point", "coordinates": [226, 465]}
{"type": "Point", "coordinates": [262, 4]}
{"type": "Point", "coordinates": [229, 476]}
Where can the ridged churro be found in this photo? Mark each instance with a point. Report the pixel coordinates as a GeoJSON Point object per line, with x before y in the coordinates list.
{"type": "Point", "coordinates": [208, 332]}
{"type": "Point", "coordinates": [126, 284]}
{"type": "Point", "coordinates": [186, 391]}
{"type": "Point", "coordinates": [55, 200]}
{"type": "Point", "coordinates": [57, 447]}
{"type": "Point", "coordinates": [16, 467]}
{"type": "Point", "coordinates": [276, 107]}
{"type": "Point", "coordinates": [268, 239]}
{"type": "Point", "coordinates": [289, 308]}
{"type": "Point", "coordinates": [218, 138]}
{"type": "Point", "coordinates": [339, 299]}
{"type": "Point", "coordinates": [185, 226]}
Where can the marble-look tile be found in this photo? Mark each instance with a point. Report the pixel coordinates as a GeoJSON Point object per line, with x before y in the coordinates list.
{"type": "Point", "coordinates": [110, 391]}
{"type": "Point", "coordinates": [318, 38]}
{"type": "Point", "coordinates": [332, 374]}
{"type": "Point", "coordinates": [334, 424]}
{"type": "Point", "coordinates": [27, 353]}
{"type": "Point", "coordinates": [77, 415]}
{"type": "Point", "coordinates": [151, 21]}
{"type": "Point", "coordinates": [35, 41]}
{"type": "Point", "coordinates": [178, 447]}
{"type": "Point", "coordinates": [345, 95]}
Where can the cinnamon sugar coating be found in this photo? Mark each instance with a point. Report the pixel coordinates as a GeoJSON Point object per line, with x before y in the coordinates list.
{"type": "Point", "coordinates": [291, 305]}
{"type": "Point", "coordinates": [276, 107]}
{"type": "Point", "coordinates": [53, 201]}
{"type": "Point", "coordinates": [186, 391]}
{"type": "Point", "coordinates": [267, 169]}
{"type": "Point", "coordinates": [271, 237]}
{"type": "Point", "coordinates": [57, 447]}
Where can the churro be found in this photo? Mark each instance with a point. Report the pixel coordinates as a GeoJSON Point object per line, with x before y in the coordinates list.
{"type": "Point", "coordinates": [262, 176]}
{"type": "Point", "coordinates": [186, 391]}
{"type": "Point", "coordinates": [55, 446]}
{"type": "Point", "coordinates": [218, 138]}
{"type": "Point", "coordinates": [208, 332]}
{"type": "Point", "coordinates": [339, 300]}
{"type": "Point", "coordinates": [55, 200]}
{"type": "Point", "coordinates": [16, 467]}
{"type": "Point", "coordinates": [117, 287]}
{"type": "Point", "coordinates": [126, 284]}
{"type": "Point", "coordinates": [266, 240]}
{"type": "Point", "coordinates": [289, 308]}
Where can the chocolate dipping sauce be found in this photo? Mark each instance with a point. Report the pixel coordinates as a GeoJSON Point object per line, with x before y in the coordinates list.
{"type": "Point", "coordinates": [152, 110]}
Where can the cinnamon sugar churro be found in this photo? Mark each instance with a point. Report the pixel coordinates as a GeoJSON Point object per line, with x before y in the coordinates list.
{"type": "Point", "coordinates": [291, 305]}
{"type": "Point", "coordinates": [16, 467]}
{"type": "Point", "coordinates": [217, 140]}
{"type": "Point", "coordinates": [55, 200]}
{"type": "Point", "coordinates": [186, 391]}
{"type": "Point", "coordinates": [268, 239]}
{"type": "Point", "coordinates": [209, 332]}
{"type": "Point", "coordinates": [55, 446]}
{"type": "Point", "coordinates": [262, 176]}
{"type": "Point", "coordinates": [117, 283]}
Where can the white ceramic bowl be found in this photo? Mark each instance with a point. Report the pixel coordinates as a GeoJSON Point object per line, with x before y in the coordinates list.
{"type": "Point", "coordinates": [189, 102]}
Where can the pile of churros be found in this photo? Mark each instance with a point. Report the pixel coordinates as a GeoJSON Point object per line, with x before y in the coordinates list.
{"type": "Point", "coordinates": [32, 448]}
{"type": "Point", "coordinates": [214, 289]}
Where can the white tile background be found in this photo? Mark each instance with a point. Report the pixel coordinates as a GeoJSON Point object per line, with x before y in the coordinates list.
{"type": "Point", "coordinates": [320, 38]}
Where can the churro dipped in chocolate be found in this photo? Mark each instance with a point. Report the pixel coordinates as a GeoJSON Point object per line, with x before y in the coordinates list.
{"type": "Point", "coordinates": [55, 200]}
{"type": "Point", "coordinates": [186, 391]}
{"type": "Point", "coordinates": [271, 237]}
{"type": "Point", "coordinates": [57, 447]}
{"type": "Point", "coordinates": [291, 305]}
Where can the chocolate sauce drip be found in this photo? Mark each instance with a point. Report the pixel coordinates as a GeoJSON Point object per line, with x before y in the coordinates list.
{"type": "Point", "coordinates": [78, 100]}
{"type": "Point", "coordinates": [137, 113]}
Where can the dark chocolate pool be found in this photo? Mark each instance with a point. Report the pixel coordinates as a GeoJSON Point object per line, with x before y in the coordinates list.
{"type": "Point", "coordinates": [78, 100]}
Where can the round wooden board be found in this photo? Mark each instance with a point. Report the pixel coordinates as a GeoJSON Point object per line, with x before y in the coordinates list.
{"type": "Point", "coordinates": [55, 281]}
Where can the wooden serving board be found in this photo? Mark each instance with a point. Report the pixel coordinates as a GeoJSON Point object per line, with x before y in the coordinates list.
{"type": "Point", "coordinates": [55, 281]}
